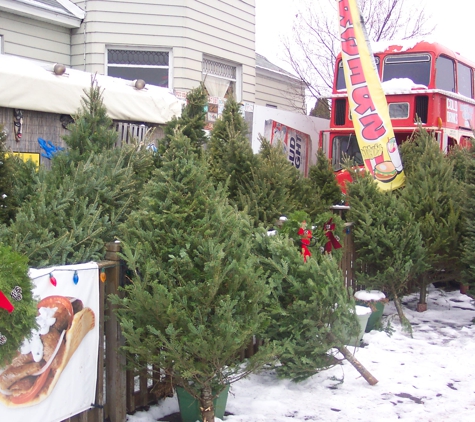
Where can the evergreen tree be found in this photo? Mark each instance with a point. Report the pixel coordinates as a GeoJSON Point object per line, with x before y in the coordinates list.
{"type": "Point", "coordinates": [191, 122]}
{"type": "Point", "coordinates": [434, 196]}
{"type": "Point", "coordinates": [229, 151]}
{"type": "Point", "coordinates": [72, 214]}
{"type": "Point", "coordinates": [68, 214]}
{"type": "Point", "coordinates": [7, 199]}
{"type": "Point", "coordinates": [321, 109]}
{"type": "Point", "coordinates": [272, 188]}
{"type": "Point", "coordinates": [196, 293]}
{"type": "Point", "coordinates": [387, 239]}
{"type": "Point", "coordinates": [324, 181]}
{"type": "Point", "coordinates": [310, 311]}
{"type": "Point", "coordinates": [17, 325]}
{"type": "Point", "coordinates": [466, 162]}
{"type": "Point", "coordinates": [92, 128]}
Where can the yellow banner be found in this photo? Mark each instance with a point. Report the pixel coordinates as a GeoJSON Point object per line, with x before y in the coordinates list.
{"type": "Point", "coordinates": [369, 109]}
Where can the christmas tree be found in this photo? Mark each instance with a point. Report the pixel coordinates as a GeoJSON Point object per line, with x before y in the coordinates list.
{"type": "Point", "coordinates": [7, 199]}
{"type": "Point", "coordinates": [465, 171]}
{"type": "Point", "coordinates": [92, 127]}
{"type": "Point", "coordinates": [387, 240]}
{"type": "Point", "coordinates": [17, 306]}
{"type": "Point", "coordinates": [196, 294]}
{"type": "Point", "coordinates": [273, 188]}
{"type": "Point", "coordinates": [68, 214]}
{"type": "Point", "coordinates": [310, 310]}
{"type": "Point", "coordinates": [324, 181]}
{"type": "Point", "coordinates": [434, 196]}
{"type": "Point", "coordinates": [191, 122]}
{"type": "Point", "coordinates": [230, 156]}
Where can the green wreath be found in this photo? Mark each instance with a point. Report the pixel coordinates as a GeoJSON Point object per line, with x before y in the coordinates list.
{"type": "Point", "coordinates": [15, 292]}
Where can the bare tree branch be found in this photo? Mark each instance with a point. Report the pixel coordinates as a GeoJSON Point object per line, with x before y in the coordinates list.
{"type": "Point", "coordinates": [312, 48]}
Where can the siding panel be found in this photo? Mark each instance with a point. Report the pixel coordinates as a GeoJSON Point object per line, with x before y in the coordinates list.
{"type": "Point", "coordinates": [35, 39]}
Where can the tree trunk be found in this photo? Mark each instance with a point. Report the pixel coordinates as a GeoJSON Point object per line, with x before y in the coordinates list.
{"type": "Point", "coordinates": [422, 305]}
{"type": "Point", "coordinates": [206, 404]}
{"type": "Point", "coordinates": [406, 325]}
{"type": "Point", "coordinates": [350, 358]}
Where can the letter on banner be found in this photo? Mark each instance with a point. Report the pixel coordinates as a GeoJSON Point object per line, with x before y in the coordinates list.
{"type": "Point", "coordinates": [369, 109]}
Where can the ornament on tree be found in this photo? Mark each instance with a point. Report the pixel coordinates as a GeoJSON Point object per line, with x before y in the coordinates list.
{"type": "Point", "coordinates": [16, 293]}
{"type": "Point", "coordinates": [3, 339]}
{"type": "Point", "coordinates": [306, 237]}
{"type": "Point", "coordinates": [333, 241]}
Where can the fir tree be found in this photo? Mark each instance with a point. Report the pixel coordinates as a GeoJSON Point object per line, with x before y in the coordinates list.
{"type": "Point", "coordinates": [68, 214]}
{"type": "Point", "coordinates": [197, 292]}
{"type": "Point", "coordinates": [74, 212]}
{"type": "Point", "coordinates": [324, 181]}
{"type": "Point", "coordinates": [272, 188]}
{"type": "Point", "coordinates": [229, 151]}
{"type": "Point", "coordinates": [7, 199]}
{"type": "Point", "coordinates": [321, 109]}
{"type": "Point", "coordinates": [17, 325]}
{"type": "Point", "coordinates": [92, 128]}
{"type": "Point", "coordinates": [467, 163]}
{"type": "Point", "coordinates": [434, 196]}
{"type": "Point", "coordinates": [387, 239]}
{"type": "Point", "coordinates": [191, 122]}
{"type": "Point", "coordinates": [310, 311]}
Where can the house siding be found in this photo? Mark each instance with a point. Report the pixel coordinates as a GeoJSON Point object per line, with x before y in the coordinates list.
{"type": "Point", "coordinates": [285, 94]}
{"type": "Point", "coordinates": [189, 29]}
{"type": "Point", "coordinates": [35, 39]}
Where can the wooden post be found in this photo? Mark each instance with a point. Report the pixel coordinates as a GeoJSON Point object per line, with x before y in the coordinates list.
{"type": "Point", "coordinates": [115, 361]}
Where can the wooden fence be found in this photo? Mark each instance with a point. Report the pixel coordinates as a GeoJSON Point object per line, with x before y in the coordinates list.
{"type": "Point", "coordinates": [120, 391]}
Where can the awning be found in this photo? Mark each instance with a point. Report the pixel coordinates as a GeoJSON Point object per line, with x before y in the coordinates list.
{"type": "Point", "coordinates": [29, 85]}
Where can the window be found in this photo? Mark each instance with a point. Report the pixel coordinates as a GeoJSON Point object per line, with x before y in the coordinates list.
{"type": "Point", "coordinates": [220, 79]}
{"type": "Point", "coordinates": [345, 147]}
{"type": "Point", "coordinates": [444, 74]}
{"type": "Point", "coordinates": [151, 66]}
{"type": "Point", "coordinates": [340, 76]}
{"type": "Point", "coordinates": [464, 80]}
{"type": "Point", "coordinates": [398, 110]}
{"type": "Point", "coordinates": [415, 67]}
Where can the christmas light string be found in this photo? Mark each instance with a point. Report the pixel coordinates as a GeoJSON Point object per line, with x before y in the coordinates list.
{"type": "Point", "coordinates": [75, 278]}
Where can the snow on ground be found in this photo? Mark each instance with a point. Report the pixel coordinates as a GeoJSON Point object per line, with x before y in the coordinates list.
{"type": "Point", "coordinates": [427, 378]}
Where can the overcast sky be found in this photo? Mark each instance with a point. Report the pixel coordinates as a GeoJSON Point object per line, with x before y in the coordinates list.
{"type": "Point", "coordinates": [454, 18]}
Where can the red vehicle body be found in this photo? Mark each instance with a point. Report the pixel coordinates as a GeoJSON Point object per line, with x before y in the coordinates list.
{"type": "Point", "coordinates": [426, 83]}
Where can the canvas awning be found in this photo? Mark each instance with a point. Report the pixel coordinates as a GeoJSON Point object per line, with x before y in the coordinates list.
{"type": "Point", "coordinates": [30, 85]}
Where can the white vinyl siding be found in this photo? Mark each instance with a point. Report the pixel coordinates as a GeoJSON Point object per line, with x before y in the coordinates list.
{"type": "Point", "coordinates": [35, 39]}
{"type": "Point", "coordinates": [190, 29]}
{"type": "Point", "coordinates": [283, 92]}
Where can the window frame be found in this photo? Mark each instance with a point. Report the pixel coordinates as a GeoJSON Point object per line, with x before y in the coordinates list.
{"type": "Point", "coordinates": [169, 67]}
{"type": "Point", "coordinates": [461, 65]}
{"type": "Point", "coordinates": [238, 73]}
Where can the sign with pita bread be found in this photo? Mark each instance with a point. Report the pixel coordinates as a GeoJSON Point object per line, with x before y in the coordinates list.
{"type": "Point", "coordinates": [54, 375]}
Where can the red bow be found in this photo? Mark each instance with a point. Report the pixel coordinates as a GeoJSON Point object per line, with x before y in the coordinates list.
{"type": "Point", "coordinates": [5, 303]}
{"type": "Point", "coordinates": [332, 242]}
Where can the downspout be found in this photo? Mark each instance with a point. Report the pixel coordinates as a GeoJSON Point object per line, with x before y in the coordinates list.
{"type": "Point", "coordinates": [84, 33]}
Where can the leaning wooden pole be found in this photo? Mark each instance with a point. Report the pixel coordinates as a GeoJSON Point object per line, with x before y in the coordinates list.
{"type": "Point", "coordinates": [350, 358]}
{"type": "Point", "coordinates": [360, 368]}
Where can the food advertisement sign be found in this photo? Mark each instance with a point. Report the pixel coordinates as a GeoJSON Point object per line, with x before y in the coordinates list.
{"type": "Point", "coordinates": [53, 376]}
{"type": "Point", "coordinates": [296, 144]}
{"type": "Point", "coordinates": [368, 105]}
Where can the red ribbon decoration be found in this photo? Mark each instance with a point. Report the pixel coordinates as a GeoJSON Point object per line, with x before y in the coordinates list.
{"type": "Point", "coordinates": [5, 303]}
{"type": "Point", "coordinates": [328, 229]}
{"type": "Point", "coordinates": [306, 236]}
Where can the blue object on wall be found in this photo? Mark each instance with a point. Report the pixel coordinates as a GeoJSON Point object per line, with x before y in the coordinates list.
{"type": "Point", "coordinates": [49, 148]}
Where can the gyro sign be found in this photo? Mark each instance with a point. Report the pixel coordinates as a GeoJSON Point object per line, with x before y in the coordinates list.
{"type": "Point", "coordinates": [369, 109]}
